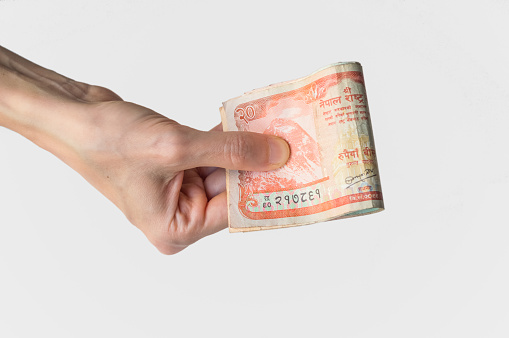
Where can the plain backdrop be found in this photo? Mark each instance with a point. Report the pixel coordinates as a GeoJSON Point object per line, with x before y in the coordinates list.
{"type": "Point", "coordinates": [433, 264]}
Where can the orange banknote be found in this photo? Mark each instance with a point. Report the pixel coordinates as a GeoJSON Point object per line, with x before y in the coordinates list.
{"type": "Point", "coordinates": [332, 171]}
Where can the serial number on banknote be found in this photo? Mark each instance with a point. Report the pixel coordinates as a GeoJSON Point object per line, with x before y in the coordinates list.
{"type": "Point", "coordinates": [298, 198]}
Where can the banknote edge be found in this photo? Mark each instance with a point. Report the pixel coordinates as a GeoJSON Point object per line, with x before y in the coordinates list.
{"type": "Point", "coordinates": [224, 122]}
{"type": "Point", "coordinates": [284, 83]}
{"type": "Point", "coordinates": [274, 227]}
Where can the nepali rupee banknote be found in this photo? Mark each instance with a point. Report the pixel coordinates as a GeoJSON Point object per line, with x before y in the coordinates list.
{"type": "Point", "coordinates": [332, 171]}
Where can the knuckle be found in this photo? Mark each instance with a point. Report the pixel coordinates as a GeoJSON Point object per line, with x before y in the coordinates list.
{"type": "Point", "coordinates": [172, 145]}
{"type": "Point", "coordinates": [174, 238]}
{"type": "Point", "coordinates": [166, 249]}
{"type": "Point", "coordinates": [182, 239]}
{"type": "Point", "coordinates": [238, 149]}
{"type": "Point", "coordinates": [169, 244]}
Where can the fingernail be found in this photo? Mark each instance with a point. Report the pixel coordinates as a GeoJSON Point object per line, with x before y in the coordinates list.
{"type": "Point", "coordinates": [279, 151]}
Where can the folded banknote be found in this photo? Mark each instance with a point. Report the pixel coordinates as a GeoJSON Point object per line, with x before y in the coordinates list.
{"type": "Point", "coordinates": [332, 171]}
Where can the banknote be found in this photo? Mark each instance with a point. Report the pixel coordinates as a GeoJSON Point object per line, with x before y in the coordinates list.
{"type": "Point", "coordinates": [332, 171]}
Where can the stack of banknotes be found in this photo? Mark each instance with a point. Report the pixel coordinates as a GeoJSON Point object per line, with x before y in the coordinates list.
{"type": "Point", "coordinates": [332, 171]}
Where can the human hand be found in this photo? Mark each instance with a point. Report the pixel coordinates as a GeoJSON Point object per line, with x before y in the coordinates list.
{"type": "Point", "coordinates": [168, 178]}
{"type": "Point", "coordinates": [165, 177]}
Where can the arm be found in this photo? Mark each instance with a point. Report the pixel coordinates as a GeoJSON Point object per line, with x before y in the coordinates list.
{"type": "Point", "coordinates": [165, 177]}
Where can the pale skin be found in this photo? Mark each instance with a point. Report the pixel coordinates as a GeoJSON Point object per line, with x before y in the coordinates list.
{"type": "Point", "coordinates": [168, 179]}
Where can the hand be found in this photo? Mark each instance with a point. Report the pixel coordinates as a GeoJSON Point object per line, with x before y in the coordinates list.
{"type": "Point", "coordinates": [168, 178]}
{"type": "Point", "coordinates": [165, 177]}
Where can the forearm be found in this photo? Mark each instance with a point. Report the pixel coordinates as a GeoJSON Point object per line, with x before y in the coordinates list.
{"type": "Point", "coordinates": [43, 106]}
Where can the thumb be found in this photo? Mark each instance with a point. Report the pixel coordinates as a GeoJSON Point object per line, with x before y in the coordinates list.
{"type": "Point", "coordinates": [236, 150]}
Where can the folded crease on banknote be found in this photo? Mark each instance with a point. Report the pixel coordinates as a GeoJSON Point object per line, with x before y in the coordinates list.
{"type": "Point", "coordinates": [332, 171]}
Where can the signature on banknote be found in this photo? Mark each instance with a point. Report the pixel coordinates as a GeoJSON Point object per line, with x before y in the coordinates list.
{"type": "Point", "coordinates": [352, 180]}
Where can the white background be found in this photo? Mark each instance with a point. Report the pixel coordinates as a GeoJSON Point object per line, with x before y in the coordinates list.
{"type": "Point", "coordinates": [434, 264]}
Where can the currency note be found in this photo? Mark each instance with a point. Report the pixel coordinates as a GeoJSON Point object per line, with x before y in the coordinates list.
{"type": "Point", "coordinates": [332, 171]}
